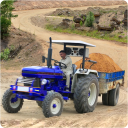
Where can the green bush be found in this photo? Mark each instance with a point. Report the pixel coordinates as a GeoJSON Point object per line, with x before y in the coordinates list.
{"type": "Point", "coordinates": [5, 24]}
{"type": "Point", "coordinates": [81, 23]}
{"type": "Point", "coordinates": [5, 55]}
{"type": "Point", "coordinates": [6, 15]}
{"type": "Point", "coordinates": [89, 20]}
{"type": "Point", "coordinates": [1, 56]}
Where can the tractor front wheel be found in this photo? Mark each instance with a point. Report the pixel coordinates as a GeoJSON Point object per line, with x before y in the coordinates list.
{"type": "Point", "coordinates": [10, 103]}
{"type": "Point", "coordinates": [52, 104]}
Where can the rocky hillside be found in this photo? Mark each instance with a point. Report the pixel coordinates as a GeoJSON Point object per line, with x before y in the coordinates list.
{"type": "Point", "coordinates": [105, 19]}
{"type": "Point", "coordinates": [37, 4]}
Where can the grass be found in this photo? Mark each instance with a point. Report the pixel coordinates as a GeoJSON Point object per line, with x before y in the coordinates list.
{"type": "Point", "coordinates": [94, 33]}
{"type": "Point", "coordinates": [104, 11]}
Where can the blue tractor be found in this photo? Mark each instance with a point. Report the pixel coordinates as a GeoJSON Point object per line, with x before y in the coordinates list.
{"type": "Point", "coordinates": [47, 84]}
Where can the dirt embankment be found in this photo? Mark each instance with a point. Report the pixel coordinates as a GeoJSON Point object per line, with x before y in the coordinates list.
{"type": "Point", "coordinates": [27, 49]}
{"type": "Point", "coordinates": [29, 5]}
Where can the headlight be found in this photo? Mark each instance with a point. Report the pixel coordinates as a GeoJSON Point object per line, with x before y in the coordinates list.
{"type": "Point", "coordinates": [44, 81]}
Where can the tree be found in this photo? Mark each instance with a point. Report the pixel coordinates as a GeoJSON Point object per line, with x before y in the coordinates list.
{"type": "Point", "coordinates": [6, 15]}
{"type": "Point", "coordinates": [89, 20]}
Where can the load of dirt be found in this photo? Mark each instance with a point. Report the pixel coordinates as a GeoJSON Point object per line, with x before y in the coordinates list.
{"type": "Point", "coordinates": [104, 63]}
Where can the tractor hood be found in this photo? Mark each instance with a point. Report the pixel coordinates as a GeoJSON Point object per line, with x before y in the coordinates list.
{"type": "Point", "coordinates": [42, 72]}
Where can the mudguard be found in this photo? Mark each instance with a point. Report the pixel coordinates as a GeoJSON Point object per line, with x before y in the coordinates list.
{"type": "Point", "coordinates": [81, 72]}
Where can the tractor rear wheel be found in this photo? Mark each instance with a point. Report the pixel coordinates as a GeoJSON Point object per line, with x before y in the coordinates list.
{"type": "Point", "coordinates": [39, 103]}
{"type": "Point", "coordinates": [52, 104]}
{"type": "Point", "coordinates": [10, 103]}
{"type": "Point", "coordinates": [113, 96]}
{"type": "Point", "coordinates": [86, 93]}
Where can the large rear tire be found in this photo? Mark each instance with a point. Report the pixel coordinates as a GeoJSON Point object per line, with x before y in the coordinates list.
{"type": "Point", "coordinates": [52, 104]}
{"type": "Point", "coordinates": [86, 93]}
{"type": "Point", "coordinates": [113, 96]}
{"type": "Point", "coordinates": [10, 104]}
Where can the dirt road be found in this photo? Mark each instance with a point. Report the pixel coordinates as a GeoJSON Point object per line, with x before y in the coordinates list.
{"type": "Point", "coordinates": [31, 115]}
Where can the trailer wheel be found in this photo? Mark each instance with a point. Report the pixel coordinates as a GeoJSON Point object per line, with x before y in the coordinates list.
{"type": "Point", "coordinates": [113, 96]}
{"type": "Point", "coordinates": [105, 99]}
{"type": "Point", "coordinates": [39, 103]}
{"type": "Point", "coordinates": [86, 93]}
{"type": "Point", "coordinates": [52, 104]}
{"type": "Point", "coordinates": [10, 103]}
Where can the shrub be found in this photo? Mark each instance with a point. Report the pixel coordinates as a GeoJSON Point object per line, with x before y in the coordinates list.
{"type": "Point", "coordinates": [89, 20]}
{"type": "Point", "coordinates": [81, 23]}
{"type": "Point", "coordinates": [5, 24]}
{"type": "Point", "coordinates": [5, 55]}
{"type": "Point", "coordinates": [6, 15]}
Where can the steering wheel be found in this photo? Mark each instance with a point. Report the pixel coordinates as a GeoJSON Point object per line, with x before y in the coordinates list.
{"type": "Point", "coordinates": [62, 65]}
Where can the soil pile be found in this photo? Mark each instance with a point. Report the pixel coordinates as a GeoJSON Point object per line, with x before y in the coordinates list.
{"type": "Point", "coordinates": [104, 63]}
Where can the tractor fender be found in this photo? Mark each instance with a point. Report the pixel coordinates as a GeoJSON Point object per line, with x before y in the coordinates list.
{"type": "Point", "coordinates": [80, 73]}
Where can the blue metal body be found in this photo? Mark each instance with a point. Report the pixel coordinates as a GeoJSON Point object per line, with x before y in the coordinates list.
{"type": "Point", "coordinates": [56, 82]}
{"type": "Point", "coordinates": [111, 76]}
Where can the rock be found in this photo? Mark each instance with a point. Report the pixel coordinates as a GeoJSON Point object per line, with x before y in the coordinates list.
{"type": "Point", "coordinates": [83, 16]}
{"type": "Point", "coordinates": [77, 25]}
{"type": "Point", "coordinates": [102, 35]}
{"type": "Point", "coordinates": [67, 20]}
{"type": "Point", "coordinates": [77, 19]}
{"type": "Point", "coordinates": [64, 11]}
{"type": "Point", "coordinates": [105, 22]}
{"type": "Point", "coordinates": [118, 18]}
{"type": "Point", "coordinates": [113, 25]}
{"type": "Point", "coordinates": [122, 8]}
{"type": "Point", "coordinates": [87, 29]}
{"type": "Point", "coordinates": [97, 20]}
{"type": "Point", "coordinates": [120, 36]}
{"type": "Point", "coordinates": [95, 11]}
{"type": "Point", "coordinates": [19, 57]}
{"type": "Point", "coordinates": [125, 20]}
{"type": "Point", "coordinates": [64, 25]}
{"type": "Point", "coordinates": [95, 26]}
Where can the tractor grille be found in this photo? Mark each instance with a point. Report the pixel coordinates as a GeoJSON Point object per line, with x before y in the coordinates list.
{"type": "Point", "coordinates": [28, 81]}
{"type": "Point", "coordinates": [25, 80]}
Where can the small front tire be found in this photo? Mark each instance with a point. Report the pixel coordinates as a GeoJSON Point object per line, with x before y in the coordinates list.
{"type": "Point", "coordinates": [10, 104]}
{"type": "Point", "coordinates": [52, 104]}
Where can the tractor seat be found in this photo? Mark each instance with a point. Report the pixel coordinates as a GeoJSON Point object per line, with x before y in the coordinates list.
{"type": "Point", "coordinates": [74, 70]}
